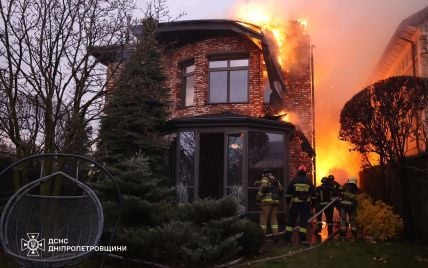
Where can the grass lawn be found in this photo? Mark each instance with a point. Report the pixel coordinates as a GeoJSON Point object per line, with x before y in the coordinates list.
{"type": "Point", "coordinates": [359, 254]}
{"type": "Point", "coordinates": [334, 254]}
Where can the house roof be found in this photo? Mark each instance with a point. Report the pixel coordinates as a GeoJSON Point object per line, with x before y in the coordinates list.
{"type": "Point", "coordinates": [179, 33]}
{"type": "Point", "coordinates": [405, 31]}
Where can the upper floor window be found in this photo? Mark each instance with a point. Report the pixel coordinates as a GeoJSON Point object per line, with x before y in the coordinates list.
{"type": "Point", "coordinates": [228, 80]}
{"type": "Point", "coordinates": [187, 84]}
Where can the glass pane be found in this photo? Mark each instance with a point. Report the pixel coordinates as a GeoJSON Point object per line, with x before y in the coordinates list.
{"type": "Point", "coordinates": [218, 64]}
{"type": "Point", "coordinates": [265, 150]}
{"type": "Point", "coordinates": [186, 164]}
{"type": "Point", "coordinates": [189, 69]}
{"type": "Point", "coordinates": [189, 90]}
{"type": "Point", "coordinates": [266, 88]}
{"type": "Point", "coordinates": [252, 202]}
{"type": "Point", "coordinates": [239, 86]}
{"type": "Point", "coordinates": [218, 87]}
{"type": "Point", "coordinates": [239, 63]}
{"type": "Point", "coordinates": [234, 159]}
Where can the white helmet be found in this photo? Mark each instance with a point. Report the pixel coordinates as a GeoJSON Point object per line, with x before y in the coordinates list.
{"type": "Point", "coordinates": [352, 180]}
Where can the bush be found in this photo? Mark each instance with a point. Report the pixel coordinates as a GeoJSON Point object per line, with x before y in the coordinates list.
{"type": "Point", "coordinates": [202, 211]}
{"type": "Point", "coordinates": [377, 220]}
{"type": "Point", "coordinates": [203, 233]}
{"type": "Point", "coordinates": [252, 236]}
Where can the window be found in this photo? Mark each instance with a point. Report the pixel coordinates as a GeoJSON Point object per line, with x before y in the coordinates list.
{"type": "Point", "coordinates": [186, 164]}
{"type": "Point", "coordinates": [188, 84]}
{"type": "Point", "coordinates": [228, 80]}
{"type": "Point", "coordinates": [265, 150]}
{"type": "Point", "coordinates": [267, 91]}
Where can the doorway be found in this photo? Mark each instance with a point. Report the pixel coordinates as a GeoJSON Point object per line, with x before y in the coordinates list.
{"type": "Point", "coordinates": [211, 165]}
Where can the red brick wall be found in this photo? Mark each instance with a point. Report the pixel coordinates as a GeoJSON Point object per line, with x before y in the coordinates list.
{"type": "Point", "coordinates": [298, 99]}
{"type": "Point", "coordinates": [198, 52]}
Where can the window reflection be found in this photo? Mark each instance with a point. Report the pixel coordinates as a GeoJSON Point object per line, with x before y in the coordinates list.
{"type": "Point", "coordinates": [265, 150]}
{"type": "Point", "coordinates": [234, 159]}
{"type": "Point", "coordinates": [228, 80]}
{"type": "Point", "coordinates": [188, 84]}
{"type": "Point", "coordinates": [186, 167]}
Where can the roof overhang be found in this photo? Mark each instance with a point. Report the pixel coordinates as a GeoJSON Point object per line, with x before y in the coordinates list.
{"type": "Point", "coordinates": [405, 31]}
{"type": "Point", "coordinates": [179, 33]}
{"type": "Point", "coordinates": [227, 120]}
{"type": "Point", "coordinates": [231, 120]}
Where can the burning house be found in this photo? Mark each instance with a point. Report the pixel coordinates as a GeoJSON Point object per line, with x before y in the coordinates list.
{"type": "Point", "coordinates": [234, 110]}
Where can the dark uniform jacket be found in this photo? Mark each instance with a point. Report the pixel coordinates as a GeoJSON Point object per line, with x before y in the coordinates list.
{"type": "Point", "coordinates": [270, 190]}
{"type": "Point", "coordinates": [349, 192]}
{"type": "Point", "coordinates": [300, 190]}
{"type": "Point", "coordinates": [325, 193]}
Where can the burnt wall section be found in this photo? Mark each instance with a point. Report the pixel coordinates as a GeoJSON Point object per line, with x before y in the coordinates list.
{"type": "Point", "coordinates": [298, 100]}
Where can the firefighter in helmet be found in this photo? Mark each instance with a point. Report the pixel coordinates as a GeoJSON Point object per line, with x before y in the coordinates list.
{"type": "Point", "coordinates": [334, 184]}
{"type": "Point", "coordinates": [300, 197]}
{"type": "Point", "coordinates": [348, 207]}
{"type": "Point", "coordinates": [268, 195]}
{"type": "Point", "coordinates": [325, 193]}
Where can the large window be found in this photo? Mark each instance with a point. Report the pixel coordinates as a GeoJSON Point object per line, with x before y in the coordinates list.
{"type": "Point", "coordinates": [265, 150]}
{"type": "Point", "coordinates": [228, 80]}
{"type": "Point", "coordinates": [188, 84]}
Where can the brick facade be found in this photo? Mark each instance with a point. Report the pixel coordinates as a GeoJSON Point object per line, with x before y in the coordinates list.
{"type": "Point", "coordinates": [297, 98]}
{"type": "Point", "coordinates": [198, 52]}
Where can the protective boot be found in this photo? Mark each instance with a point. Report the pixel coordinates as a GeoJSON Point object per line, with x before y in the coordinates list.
{"type": "Point", "coordinates": [302, 239]}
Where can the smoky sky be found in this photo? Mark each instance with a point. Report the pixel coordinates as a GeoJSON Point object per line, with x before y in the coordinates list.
{"type": "Point", "coordinates": [349, 38]}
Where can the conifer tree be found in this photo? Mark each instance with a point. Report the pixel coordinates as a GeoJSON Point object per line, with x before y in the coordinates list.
{"type": "Point", "coordinates": [131, 144]}
{"type": "Point", "coordinates": [136, 109]}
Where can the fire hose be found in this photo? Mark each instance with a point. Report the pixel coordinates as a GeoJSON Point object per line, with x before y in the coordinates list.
{"type": "Point", "coordinates": [311, 218]}
{"type": "Point", "coordinates": [237, 262]}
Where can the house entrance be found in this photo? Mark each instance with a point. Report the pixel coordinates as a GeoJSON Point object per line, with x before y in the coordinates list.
{"type": "Point", "coordinates": [211, 165]}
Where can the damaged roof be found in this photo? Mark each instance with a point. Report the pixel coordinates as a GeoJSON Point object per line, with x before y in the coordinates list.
{"type": "Point", "coordinates": [179, 33]}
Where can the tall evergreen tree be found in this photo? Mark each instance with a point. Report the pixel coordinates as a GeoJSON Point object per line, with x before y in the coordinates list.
{"type": "Point", "coordinates": [131, 144]}
{"type": "Point", "coordinates": [136, 110]}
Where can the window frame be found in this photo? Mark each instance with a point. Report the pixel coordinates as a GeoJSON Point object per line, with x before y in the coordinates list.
{"type": "Point", "coordinates": [228, 69]}
{"type": "Point", "coordinates": [183, 78]}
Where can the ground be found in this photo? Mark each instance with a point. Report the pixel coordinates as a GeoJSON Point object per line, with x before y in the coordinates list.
{"type": "Point", "coordinates": [351, 254]}
{"type": "Point", "coordinates": [333, 254]}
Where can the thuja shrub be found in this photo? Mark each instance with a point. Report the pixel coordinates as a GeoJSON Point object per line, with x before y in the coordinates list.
{"type": "Point", "coordinates": [377, 219]}
{"type": "Point", "coordinates": [205, 210]}
{"type": "Point", "coordinates": [201, 234]}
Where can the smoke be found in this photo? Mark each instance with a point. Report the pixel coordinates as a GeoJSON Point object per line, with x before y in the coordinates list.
{"type": "Point", "coordinates": [349, 38]}
{"type": "Point", "coordinates": [349, 35]}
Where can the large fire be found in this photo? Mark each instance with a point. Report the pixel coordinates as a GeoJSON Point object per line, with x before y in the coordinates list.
{"type": "Point", "coordinates": [333, 156]}
{"type": "Point", "coordinates": [259, 14]}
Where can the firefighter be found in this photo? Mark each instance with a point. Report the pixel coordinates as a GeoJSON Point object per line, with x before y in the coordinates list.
{"type": "Point", "coordinates": [300, 197]}
{"type": "Point", "coordinates": [325, 194]}
{"type": "Point", "coordinates": [334, 184]}
{"type": "Point", "coordinates": [348, 207]}
{"type": "Point", "coordinates": [269, 194]}
{"type": "Point", "coordinates": [336, 190]}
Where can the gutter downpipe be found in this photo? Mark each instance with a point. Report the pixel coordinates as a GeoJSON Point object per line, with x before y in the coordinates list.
{"type": "Point", "coordinates": [313, 114]}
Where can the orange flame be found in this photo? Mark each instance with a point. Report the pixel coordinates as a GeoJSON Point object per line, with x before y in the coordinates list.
{"type": "Point", "coordinates": [290, 117]}
{"type": "Point", "coordinates": [258, 14]}
{"type": "Point", "coordinates": [333, 156]}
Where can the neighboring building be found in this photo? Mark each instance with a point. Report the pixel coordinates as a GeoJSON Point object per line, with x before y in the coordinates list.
{"type": "Point", "coordinates": [407, 54]}
{"type": "Point", "coordinates": [227, 92]}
